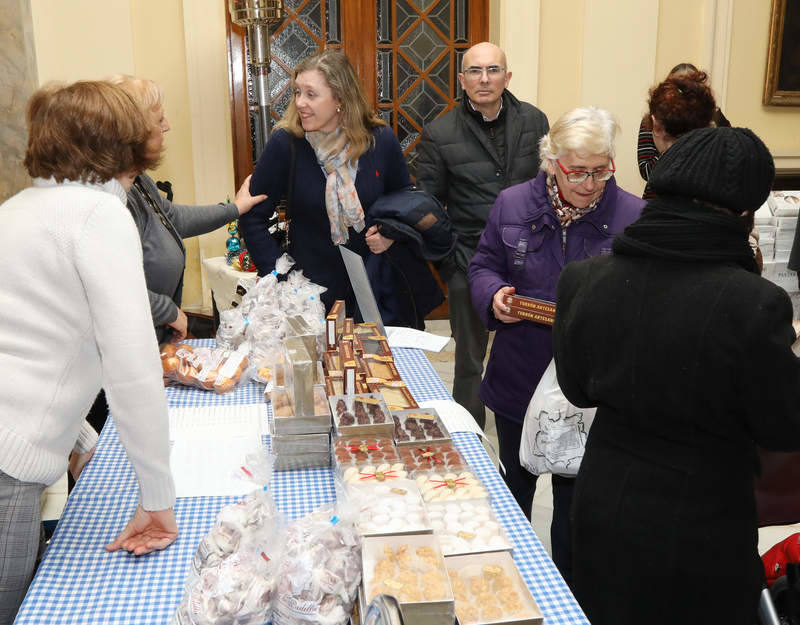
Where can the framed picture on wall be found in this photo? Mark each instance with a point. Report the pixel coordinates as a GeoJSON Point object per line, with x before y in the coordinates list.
{"type": "Point", "coordinates": [782, 84]}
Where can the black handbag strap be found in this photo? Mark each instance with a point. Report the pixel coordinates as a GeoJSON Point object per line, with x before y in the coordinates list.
{"type": "Point", "coordinates": [290, 192]}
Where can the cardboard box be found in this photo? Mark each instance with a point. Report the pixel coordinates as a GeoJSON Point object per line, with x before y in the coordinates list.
{"type": "Point", "coordinates": [530, 309]}
{"type": "Point", "coordinates": [349, 364]}
{"type": "Point", "coordinates": [334, 323]}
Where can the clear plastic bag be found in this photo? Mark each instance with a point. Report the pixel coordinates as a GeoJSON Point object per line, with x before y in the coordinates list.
{"type": "Point", "coordinates": [321, 569]}
{"type": "Point", "coordinates": [232, 579]}
{"type": "Point", "coordinates": [258, 324]}
{"type": "Point", "coordinates": [218, 370]}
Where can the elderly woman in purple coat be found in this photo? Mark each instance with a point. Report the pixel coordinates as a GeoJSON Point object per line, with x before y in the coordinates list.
{"type": "Point", "coordinates": [570, 211]}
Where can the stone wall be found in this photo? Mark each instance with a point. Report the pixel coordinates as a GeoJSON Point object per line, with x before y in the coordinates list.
{"type": "Point", "coordinates": [18, 80]}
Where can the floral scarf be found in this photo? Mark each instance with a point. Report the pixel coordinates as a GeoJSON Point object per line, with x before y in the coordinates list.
{"type": "Point", "coordinates": [341, 200]}
{"type": "Point", "coordinates": [566, 212]}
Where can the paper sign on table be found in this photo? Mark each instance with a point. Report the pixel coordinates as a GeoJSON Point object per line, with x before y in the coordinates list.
{"type": "Point", "coordinates": [409, 337]}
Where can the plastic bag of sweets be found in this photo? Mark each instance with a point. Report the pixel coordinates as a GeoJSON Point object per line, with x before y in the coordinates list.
{"type": "Point", "coordinates": [321, 569]}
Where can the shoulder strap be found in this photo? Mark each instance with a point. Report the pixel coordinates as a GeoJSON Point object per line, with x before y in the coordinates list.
{"type": "Point", "coordinates": [290, 192]}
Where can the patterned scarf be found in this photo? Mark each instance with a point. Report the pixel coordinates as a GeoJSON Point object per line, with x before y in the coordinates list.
{"type": "Point", "coordinates": [566, 212]}
{"type": "Point", "coordinates": [341, 200]}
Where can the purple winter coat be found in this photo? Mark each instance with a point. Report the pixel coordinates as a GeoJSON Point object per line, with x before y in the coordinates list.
{"type": "Point", "coordinates": [521, 351]}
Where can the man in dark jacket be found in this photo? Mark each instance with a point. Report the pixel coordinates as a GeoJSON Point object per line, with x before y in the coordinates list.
{"type": "Point", "coordinates": [465, 158]}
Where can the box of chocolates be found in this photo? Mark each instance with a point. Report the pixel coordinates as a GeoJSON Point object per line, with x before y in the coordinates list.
{"type": "Point", "coordinates": [466, 526]}
{"type": "Point", "coordinates": [358, 450]}
{"type": "Point", "coordinates": [412, 569]}
{"type": "Point", "coordinates": [362, 414]}
{"type": "Point", "coordinates": [433, 457]}
{"type": "Point", "coordinates": [446, 486]}
{"type": "Point", "coordinates": [489, 589]}
{"type": "Point", "coordinates": [387, 508]}
{"type": "Point", "coordinates": [419, 425]}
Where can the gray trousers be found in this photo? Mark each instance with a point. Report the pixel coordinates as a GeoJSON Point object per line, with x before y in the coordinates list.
{"type": "Point", "coordinates": [20, 541]}
{"type": "Point", "coordinates": [471, 338]}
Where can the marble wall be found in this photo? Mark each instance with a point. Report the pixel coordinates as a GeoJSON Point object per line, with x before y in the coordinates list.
{"type": "Point", "coordinates": [18, 80]}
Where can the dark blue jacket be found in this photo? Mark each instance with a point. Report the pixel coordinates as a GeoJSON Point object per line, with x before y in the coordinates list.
{"type": "Point", "coordinates": [403, 283]}
{"type": "Point", "coordinates": [381, 169]}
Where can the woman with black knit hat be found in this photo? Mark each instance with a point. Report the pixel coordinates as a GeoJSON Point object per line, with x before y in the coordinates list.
{"type": "Point", "coordinates": [694, 372]}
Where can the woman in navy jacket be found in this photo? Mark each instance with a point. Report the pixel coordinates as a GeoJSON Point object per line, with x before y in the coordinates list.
{"type": "Point", "coordinates": [570, 211]}
{"type": "Point", "coordinates": [345, 158]}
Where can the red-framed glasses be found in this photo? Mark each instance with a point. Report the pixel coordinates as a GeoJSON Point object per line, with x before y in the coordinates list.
{"type": "Point", "coordinates": [578, 175]}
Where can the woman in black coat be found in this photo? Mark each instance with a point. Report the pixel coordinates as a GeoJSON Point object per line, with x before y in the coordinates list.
{"type": "Point", "coordinates": [686, 352]}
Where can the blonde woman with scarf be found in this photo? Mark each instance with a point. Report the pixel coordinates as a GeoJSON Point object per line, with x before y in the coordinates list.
{"type": "Point", "coordinates": [346, 157]}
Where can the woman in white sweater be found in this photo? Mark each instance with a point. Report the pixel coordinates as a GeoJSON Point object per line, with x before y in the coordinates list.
{"type": "Point", "coordinates": [77, 318]}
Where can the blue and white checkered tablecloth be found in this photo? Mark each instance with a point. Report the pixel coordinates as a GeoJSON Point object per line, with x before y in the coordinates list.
{"type": "Point", "coordinates": [78, 582]}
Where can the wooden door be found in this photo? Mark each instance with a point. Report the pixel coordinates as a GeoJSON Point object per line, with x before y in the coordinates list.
{"type": "Point", "coordinates": [406, 52]}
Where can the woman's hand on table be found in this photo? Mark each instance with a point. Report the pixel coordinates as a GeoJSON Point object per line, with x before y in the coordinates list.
{"type": "Point", "coordinates": [376, 242]}
{"type": "Point", "coordinates": [147, 531]}
{"type": "Point", "coordinates": [500, 308]}
{"type": "Point", "coordinates": [243, 200]}
{"type": "Point", "coordinates": [179, 327]}
{"type": "Point", "coordinates": [78, 461]}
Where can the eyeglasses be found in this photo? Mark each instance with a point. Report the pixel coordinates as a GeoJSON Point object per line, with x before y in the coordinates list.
{"type": "Point", "coordinates": [493, 71]}
{"type": "Point", "coordinates": [578, 175]}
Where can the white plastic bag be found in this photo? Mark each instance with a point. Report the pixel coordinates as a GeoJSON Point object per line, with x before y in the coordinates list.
{"type": "Point", "coordinates": [554, 433]}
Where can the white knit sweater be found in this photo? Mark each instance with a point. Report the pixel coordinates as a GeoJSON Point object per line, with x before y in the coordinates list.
{"type": "Point", "coordinates": [76, 318]}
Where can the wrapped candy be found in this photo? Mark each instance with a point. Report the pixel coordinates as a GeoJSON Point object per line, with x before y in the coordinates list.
{"type": "Point", "coordinates": [321, 570]}
{"type": "Point", "coordinates": [246, 525]}
{"type": "Point", "coordinates": [232, 579]}
{"type": "Point", "coordinates": [240, 591]}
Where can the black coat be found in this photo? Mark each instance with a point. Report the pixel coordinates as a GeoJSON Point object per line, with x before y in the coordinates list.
{"type": "Point", "coordinates": [458, 164]}
{"type": "Point", "coordinates": [690, 366]}
{"type": "Point", "coordinates": [404, 286]}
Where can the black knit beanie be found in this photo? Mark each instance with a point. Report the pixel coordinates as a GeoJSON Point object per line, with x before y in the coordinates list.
{"type": "Point", "coordinates": [728, 167]}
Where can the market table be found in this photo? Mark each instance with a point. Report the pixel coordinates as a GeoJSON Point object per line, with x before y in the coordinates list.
{"type": "Point", "coordinates": [78, 582]}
